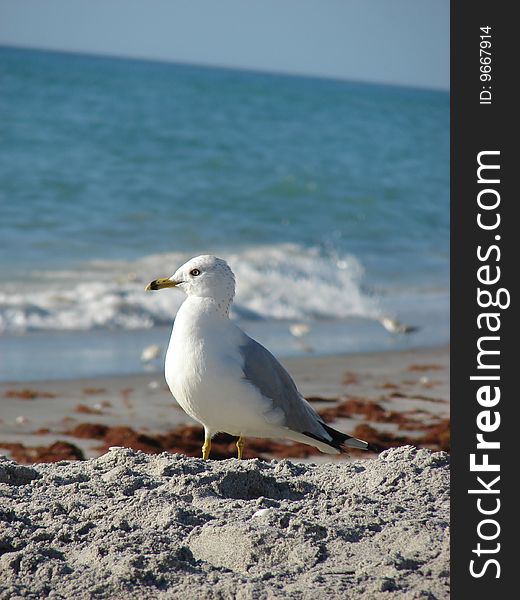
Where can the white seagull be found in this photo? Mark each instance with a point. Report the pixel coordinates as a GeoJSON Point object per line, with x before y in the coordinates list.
{"type": "Point", "coordinates": [224, 379]}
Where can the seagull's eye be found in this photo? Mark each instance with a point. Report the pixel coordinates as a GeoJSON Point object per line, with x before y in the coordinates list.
{"type": "Point", "coordinates": [194, 272]}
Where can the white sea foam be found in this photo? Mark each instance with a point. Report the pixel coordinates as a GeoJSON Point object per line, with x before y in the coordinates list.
{"type": "Point", "coordinates": [285, 281]}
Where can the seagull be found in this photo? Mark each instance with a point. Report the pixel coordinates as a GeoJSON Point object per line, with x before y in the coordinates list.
{"type": "Point", "coordinates": [227, 381]}
{"type": "Point", "coordinates": [150, 353]}
{"type": "Point", "coordinates": [299, 330]}
{"type": "Point", "coordinates": [394, 326]}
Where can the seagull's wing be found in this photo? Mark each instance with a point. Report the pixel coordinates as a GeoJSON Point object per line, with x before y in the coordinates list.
{"type": "Point", "coordinates": [289, 407]}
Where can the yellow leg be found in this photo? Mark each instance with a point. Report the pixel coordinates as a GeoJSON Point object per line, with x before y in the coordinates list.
{"type": "Point", "coordinates": [206, 448]}
{"type": "Point", "coordinates": [240, 446]}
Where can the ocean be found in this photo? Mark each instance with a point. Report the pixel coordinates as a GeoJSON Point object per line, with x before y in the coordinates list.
{"type": "Point", "coordinates": [329, 199]}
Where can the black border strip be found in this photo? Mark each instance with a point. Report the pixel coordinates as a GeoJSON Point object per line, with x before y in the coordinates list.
{"type": "Point", "coordinates": [477, 128]}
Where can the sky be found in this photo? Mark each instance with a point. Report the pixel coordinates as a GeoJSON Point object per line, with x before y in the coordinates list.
{"type": "Point", "coordinates": [403, 42]}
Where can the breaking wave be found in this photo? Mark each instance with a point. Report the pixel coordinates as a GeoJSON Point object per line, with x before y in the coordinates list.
{"type": "Point", "coordinates": [284, 281]}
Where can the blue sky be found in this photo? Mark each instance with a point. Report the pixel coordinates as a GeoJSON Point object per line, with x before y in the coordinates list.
{"type": "Point", "coordinates": [402, 42]}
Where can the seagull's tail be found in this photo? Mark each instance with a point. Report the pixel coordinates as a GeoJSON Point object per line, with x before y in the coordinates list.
{"type": "Point", "coordinates": [341, 440]}
{"type": "Point", "coordinates": [335, 442]}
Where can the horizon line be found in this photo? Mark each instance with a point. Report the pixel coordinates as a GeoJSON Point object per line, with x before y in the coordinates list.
{"type": "Point", "coordinates": [253, 70]}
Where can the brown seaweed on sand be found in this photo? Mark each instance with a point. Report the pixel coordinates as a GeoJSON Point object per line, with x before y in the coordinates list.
{"type": "Point", "coordinates": [43, 454]}
{"type": "Point", "coordinates": [435, 437]}
{"type": "Point", "coordinates": [28, 394]}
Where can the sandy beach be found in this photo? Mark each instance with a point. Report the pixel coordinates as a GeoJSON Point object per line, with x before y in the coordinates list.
{"type": "Point", "coordinates": [388, 398]}
{"type": "Point", "coordinates": [141, 518]}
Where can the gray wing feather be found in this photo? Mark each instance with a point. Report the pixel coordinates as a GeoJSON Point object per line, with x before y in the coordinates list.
{"type": "Point", "coordinates": [263, 370]}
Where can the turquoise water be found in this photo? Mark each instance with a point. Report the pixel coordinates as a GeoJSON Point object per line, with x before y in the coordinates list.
{"type": "Point", "coordinates": [330, 199]}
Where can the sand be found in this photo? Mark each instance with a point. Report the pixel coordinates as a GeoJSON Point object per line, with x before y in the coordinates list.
{"type": "Point", "coordinates": [132, 525]}
{"type": "Point", "coordinates": [126, 524]}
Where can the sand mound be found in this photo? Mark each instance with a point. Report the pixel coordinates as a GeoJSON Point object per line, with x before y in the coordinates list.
{"type": "Point", "coordinates": [131, 525]}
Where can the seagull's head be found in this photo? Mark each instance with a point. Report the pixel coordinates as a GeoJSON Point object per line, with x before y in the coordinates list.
{"type": "Point", "coordinates": [205, 276]}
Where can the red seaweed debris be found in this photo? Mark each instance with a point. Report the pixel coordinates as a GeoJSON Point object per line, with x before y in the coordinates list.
{"type": "Point", "coordinates": [188, 440]}
{"type": "Point", "coordinates": [28, 394]}
{"type": "Point", "coordinates": [435, 437]}
{"type": "Point", "coordinates": [43, 454]}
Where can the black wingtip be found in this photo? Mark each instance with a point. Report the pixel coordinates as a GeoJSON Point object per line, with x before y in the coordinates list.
{"type": "Point", "coordinates": [340, 441]}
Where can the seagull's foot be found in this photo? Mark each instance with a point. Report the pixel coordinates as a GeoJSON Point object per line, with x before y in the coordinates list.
{"type": "Point", "coordinates": [206, 448]}
{"type": "Point", "coordinates": [240, 446]}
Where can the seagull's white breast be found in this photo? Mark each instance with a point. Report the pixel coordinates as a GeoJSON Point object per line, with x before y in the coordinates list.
{"type": "Point", "coordinates": [204, 370]}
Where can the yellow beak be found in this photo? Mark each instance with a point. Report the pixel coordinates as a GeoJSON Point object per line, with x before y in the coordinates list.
{"type": "Point", "coordinates": [159, 284]}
